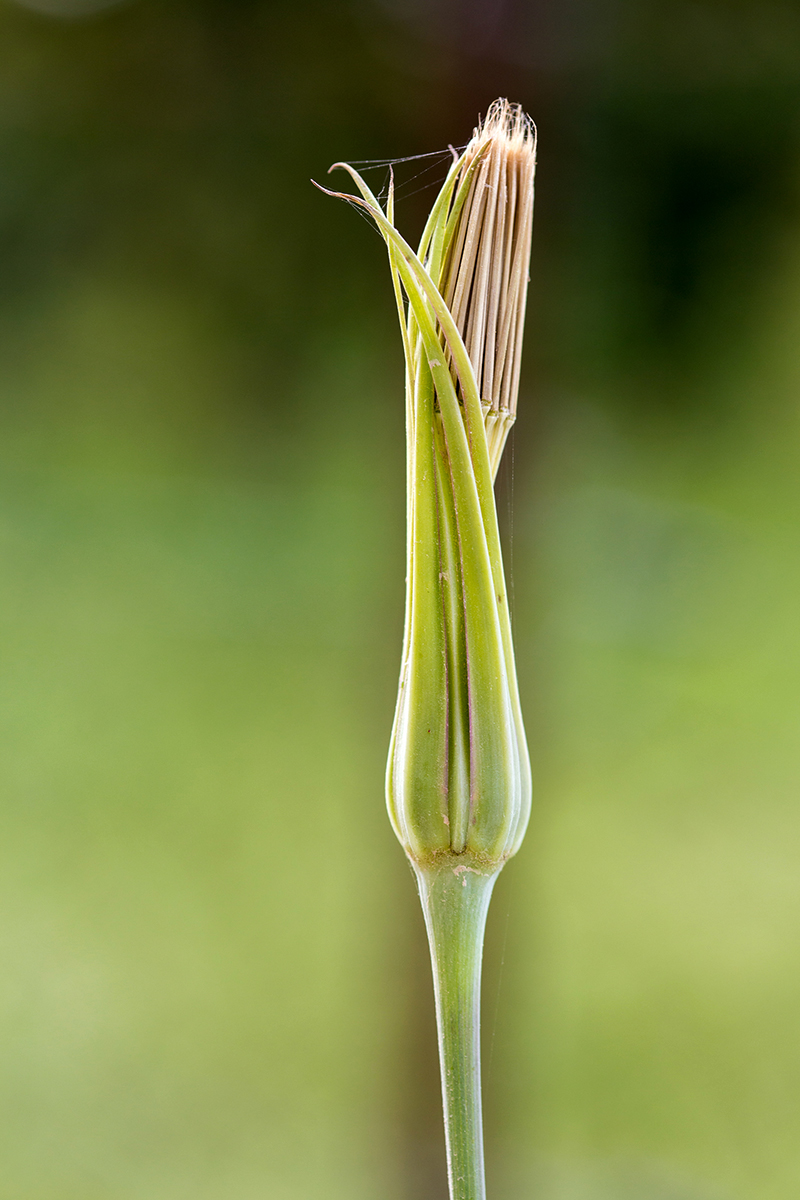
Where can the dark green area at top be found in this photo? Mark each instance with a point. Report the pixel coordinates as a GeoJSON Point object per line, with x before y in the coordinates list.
{"type": "Point", "coordinates": [175, 142]}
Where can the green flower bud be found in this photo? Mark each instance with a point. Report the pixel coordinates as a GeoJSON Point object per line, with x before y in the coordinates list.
{"type": "Point", "coordinates": [458, 779]}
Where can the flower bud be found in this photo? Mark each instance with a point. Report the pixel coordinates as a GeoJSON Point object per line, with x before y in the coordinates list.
{"type": "Point", "coordinates": [458, 778]}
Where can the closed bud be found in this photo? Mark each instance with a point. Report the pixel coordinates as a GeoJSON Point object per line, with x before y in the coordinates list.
{"type": "Point", "coordinates": [458, 779]}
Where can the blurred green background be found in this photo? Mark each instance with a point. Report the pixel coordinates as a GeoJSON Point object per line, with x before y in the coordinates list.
{"type": "Point", "coordinates": [213, 974]}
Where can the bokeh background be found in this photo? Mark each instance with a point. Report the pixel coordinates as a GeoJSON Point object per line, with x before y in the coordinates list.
{"type": "Point", "coordinates": [213, 974]}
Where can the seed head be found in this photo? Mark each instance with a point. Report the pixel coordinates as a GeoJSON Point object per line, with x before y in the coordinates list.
{"type": "Point", "coordinates": [484, 277]}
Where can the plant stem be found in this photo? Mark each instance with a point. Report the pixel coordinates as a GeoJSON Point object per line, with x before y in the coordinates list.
{"type": "Point", "coordinates": [455, 897]}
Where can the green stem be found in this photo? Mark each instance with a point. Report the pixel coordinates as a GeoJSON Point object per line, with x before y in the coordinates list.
{"type": "Point", "coordinates": [455, 897]}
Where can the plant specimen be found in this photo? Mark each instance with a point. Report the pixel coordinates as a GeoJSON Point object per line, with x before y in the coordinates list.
{"type": "Point", "coordinates": [458, 779]}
